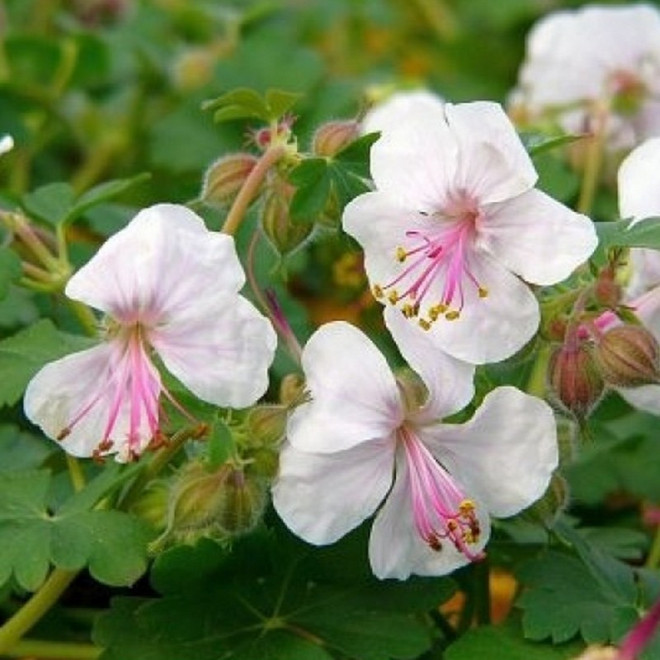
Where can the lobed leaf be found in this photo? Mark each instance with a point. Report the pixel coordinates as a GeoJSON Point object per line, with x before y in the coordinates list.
{"type": "Point", "coordinates": [10, 270]}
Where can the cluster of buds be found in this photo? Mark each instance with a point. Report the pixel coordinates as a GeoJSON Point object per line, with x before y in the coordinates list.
{"type": "Point", "coordinates": [623, 356]}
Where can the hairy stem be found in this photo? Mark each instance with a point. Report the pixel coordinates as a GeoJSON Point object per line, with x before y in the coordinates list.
{"type": "Point", "coordinates": [33, 648]}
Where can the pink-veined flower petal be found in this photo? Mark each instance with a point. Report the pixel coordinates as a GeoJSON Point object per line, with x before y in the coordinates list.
{"type": "Point", "coordinates": [415, 160]}
{"type": "Point", "coordinates": [450, 382]}
{"type": "Point", "coordinates": [92, 395]}
{"type": "Point", "coordinates": [220, 348]}
{"type": "Point", "coordinates": [396, 550]}
{"type": "Point", "coordinates": [493, 164]}
{"type": "Point", "coordinates": [538, 238]}
{"type": "Point", "coordinates": [505, 455]}
{"type": "Point", "coordinates": [354, 396]}
{"type": "Point", "coordinates": [157, 265]}
{"type": "Point", "coordinates": [490, 328]}
{"type": "Point", "coordinates": [321, 497]}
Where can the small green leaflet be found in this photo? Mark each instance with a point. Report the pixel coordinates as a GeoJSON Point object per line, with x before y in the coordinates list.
{"type": "Point", "coordinates": [24, 353]}
{"type": "Point", "coordinates": [643, 234]}
{"type": "Point", "coordinates": [244, 103]}
{"type": "Point", "coordinates": [56, 203]}
{"type": "Point", "coordinates": [112, 544]}
{"type": "Point", "coordinates": [537, 143]}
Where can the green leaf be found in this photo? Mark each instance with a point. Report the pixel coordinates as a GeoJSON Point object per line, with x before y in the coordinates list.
{"type": "Point", "coordinates": [237, 104]}
{"type": "Point", "coordinates": [102, 193]}
{"type": "Point", "coordinates": [537, 143]}
{"type": "Point", "coordinates": [506, 643]}
{"type": "Point", "coordinates": [280, 102]}
{"type": "Point", "coordinates": [270, 605]}
{"type": "Point", "coordinates": [564, 598]}
{"type": "Point", "coordinates": [23, 354]}
{"type": "Point", "coordinates": [355, 156]}
{"type": "Point", "coordinates": [220, 445]}
{"type": "Point", "coordinates": [10, 270]}
{"type": "Point", "coordinates": [50, 203]}
{"type": "Point", "coordinates": [643, 234]}
{"type": "Point", "coordinates": [313, 182]}
{"type": "Point", "coordinates": [20, 450]}
{"type": "Point", "coordinates": [112, 544]}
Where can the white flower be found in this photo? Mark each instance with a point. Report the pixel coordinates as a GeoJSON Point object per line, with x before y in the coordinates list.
{"type": "Point", "coordinates": [394, 109]}
{"type": "Point", "coordinates": [364, 441]}
{"type": "Point", "coordinates": [596, 55]}
{"type": "Point", "coordinates": [6, 144]}
{"type": "Point", "coordinates": [639, 198]}
{"type": "Point", "coordinates": [165, 283]}
{"type": "Point", "coordinates": [453, 221]}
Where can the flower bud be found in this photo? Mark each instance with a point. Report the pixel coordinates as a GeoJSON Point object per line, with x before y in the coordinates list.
{"type": "Point", "coordinates": [292, 389]}
{"type": "Point", "coordinates": [332, 137]}
{"type": "Point", "coordinates": [213, 503]}
{"type": "Point", "coordinates": [607, 290]}
{"type": "Point", "coordinates": [225, 177]}
{"type": "Point", "coordinates": [628, 356]}
{"type": "Point", "coordinates": [266, 424]}
{"type": "Point", "coordinates": [575, 379]}
{"type": "Point", "coordinates": [152, 506]}
{"type": "Point", "coordinates": [283, 233]}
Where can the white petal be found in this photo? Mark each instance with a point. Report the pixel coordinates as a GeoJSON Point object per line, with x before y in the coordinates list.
{"type": "Point", "coordinates": [220, 348]}
{"type": "Point", "coordinates": [639, 182]}
{"type": "Point", "coordinates": [489, 329]}
{"type": "Point", "coordinates": [321, 497]}
{"type": "Point", "coordinates": [6, 144]}
{"type": "Point", "coordinates": [157, 265]}
{"type": "Point", "coordinates": [646, 397]}
{"type": "Point", "coordinates": [396, 550]}
{"type": "Point", "coordinates": [414, 160]}
{"type": "Point", "coordinates": [536, 237]}
{"type": "Point", "coordinates": [354, 396]}
{"type": "Point", "coordinates": [493, 164]}
{"type": "Point", "coordinates": [505, 455]}
{"type": "Point", "coordinates": [647, 310]}
{"type": "Point", "coordinates": [645, 271]}
{"type": "Point", "coordinates": [450, 382]}
{"type": "Point", "coordinates": [62, 389]}
{"type": "Point", "coordinates": [395, 110]}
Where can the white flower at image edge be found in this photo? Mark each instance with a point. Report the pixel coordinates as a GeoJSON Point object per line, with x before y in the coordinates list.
{"type": "Point", "coordinates": [166, 284]}
{"type": "Point", "coordinates": [361, 446]}
{"type": "Point", "coordinates": [6, 144]}
{"type": "Point", "coordinates": [639, 198]}
{"type": "Point", "coordinates": [452, 225]}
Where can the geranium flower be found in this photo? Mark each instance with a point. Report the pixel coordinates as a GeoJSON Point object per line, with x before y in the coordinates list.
{"type": "Point", "coordinates": [639, 198]}
{"type": "Point", "coordinates": [394, 109]}
{"type": "Point", "coordinates": [366, 440]}
{"type": "Point", "coordinates": [592, 59]}
{"type": "Point", "coordinates": [453, 221]}
{"type": "Point", "coordinates": [167, 285]}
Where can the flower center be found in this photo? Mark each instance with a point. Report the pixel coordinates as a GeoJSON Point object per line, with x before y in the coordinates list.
{"type": "Point", "coordinates": [440, 510]}
{"type": "Point", "coordinates": [436, 269]}
{"type": "Point", "coordinates": [128, 392]}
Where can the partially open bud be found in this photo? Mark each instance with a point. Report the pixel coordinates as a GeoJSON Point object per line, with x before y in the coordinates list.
{"type": "Point", "coordinates": [225, 177]}
{"type": "Point", "coordinates": [628, 356]}
{"type": "Point", "coordinates": [285, 234]}
{"type": "Point", "coordinates": [607, 290]}
{"type": "Point", "coordinates": [332, 137]}
{"type": "Point", "coordinates": [292, 390]}
{"type": "Point", "coordinates": [575, 379]}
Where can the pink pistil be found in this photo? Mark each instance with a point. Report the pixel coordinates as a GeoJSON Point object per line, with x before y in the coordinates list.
{"type": "Point", "coordinates": [639, 637]}
{"type": "Point", "coordinates": [440, 510]}
{"type": "Point", "coordinates": [439, 254]}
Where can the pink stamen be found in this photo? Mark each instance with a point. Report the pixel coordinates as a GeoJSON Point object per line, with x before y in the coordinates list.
{"type": "Point", "coordinates": [440, 510]}
{"type": "Point", "coordinates": [441, 253]}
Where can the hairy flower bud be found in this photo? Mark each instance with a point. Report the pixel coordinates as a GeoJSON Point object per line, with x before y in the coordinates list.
{"type": "Point", "coordinates": [553, 503]}
{"type": "Point", "coordinates": [217, 504]}
{"type": "Point", "coordinates": [285, 234]}
{"type": "Point", "coordinates": [224, 178]}
{"type": "Point", "coordinates": [266, 424]}
{"type": "Point", "coordinates": [628, 356]}
{"type": "Point", "coordinates": [332, 137]}
{"type": "Point", "coordinates": [575, 379]}
{"type": "Point", "coordinates": [607, 290]}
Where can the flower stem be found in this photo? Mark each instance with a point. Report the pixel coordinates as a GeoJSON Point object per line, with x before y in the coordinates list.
{"type": "Point", "coordinates": [638, 638]}
{"type": "Point", "coordinates": [34, 648]}
{"type": "Point", "coordinates": [35, 608]}
{"type": "Point", "coordinates": [251, 186]}
{"type": "Point", "coordinates": [75, 473]}
{"type": "Point", "coordinates": [538, 378]}
{"type": "Point", "coordinates": [653, 560]}
{"type": "Point", "coordinates": [594, 160]}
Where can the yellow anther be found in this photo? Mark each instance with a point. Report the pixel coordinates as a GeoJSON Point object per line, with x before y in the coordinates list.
{"type": "Point", "coordinates": [451, 524]}
{"type": "Point", "coordinates": [409, 311]}
{"type": "Point", "coordinates": [424, 324]}
{"type": "Point", "coordinates": [393, 297]}
{"type": "Point", "coordinates": [377, 291]}
{"type": "Point", "coordinates": [401, 254]}
{"type": "Point", "coordinates": [482, 292]}
{"type": "Point", "coordinates": [466, 506]}
{"type": "Point", "coordinates": [452, 316]}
